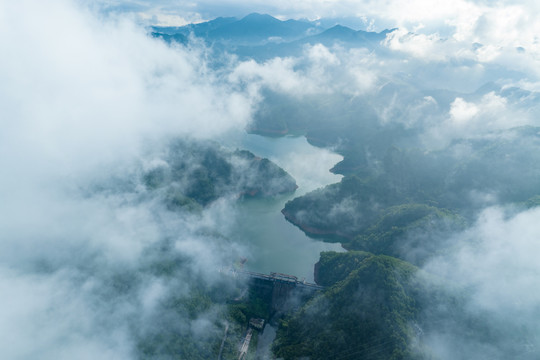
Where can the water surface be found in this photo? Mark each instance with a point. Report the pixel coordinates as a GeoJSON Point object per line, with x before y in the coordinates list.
{"type": "Point", "coordinates": [273, 244]}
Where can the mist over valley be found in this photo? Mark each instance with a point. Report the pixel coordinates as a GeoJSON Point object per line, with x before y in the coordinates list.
{"type": "Point", "coordinates": [318, 180]}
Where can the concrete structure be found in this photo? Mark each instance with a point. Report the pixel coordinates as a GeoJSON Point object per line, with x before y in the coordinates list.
{"type": "Point", "coordinates": [286, 291]}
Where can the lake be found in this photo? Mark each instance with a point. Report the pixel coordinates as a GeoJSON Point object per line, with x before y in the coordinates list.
{"type": "Point", "coordinates": [273, 244]}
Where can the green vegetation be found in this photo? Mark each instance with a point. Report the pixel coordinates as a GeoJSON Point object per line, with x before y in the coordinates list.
{"type": "Point", "coordinates": [180, 338]}
{"type": "Point", "coordinates": [380, 307]}
{"type": "Point", "coordinates": [194, 174]}
{"type": "Point", "coordinates": [192, 325]}
{"type": "Point", "coordinates": [334, 267]}
{"type": "Point", "coordinates": [408, 225]}
{"type": "Point", "coordinates": [393, 210]}
{"type": "Point", "coordinates": [364, 314]}
{"type": "Point", "coordinates": [392, 202]}
{"type": "Point", "coordinates": [190, 321]}
{"type": "Point", "coordinates": [398, 201]}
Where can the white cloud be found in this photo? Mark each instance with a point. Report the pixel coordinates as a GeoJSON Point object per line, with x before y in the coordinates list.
{"type": "Point", "coordinates": [49, 317]}
{"type": "Point", "coordinates": [444, 31]}
{"type": "Point", "coordinates": [81, 97]}
{"type": "Point", "coordinates": [462, 111]}
{"type": "Point", "coordinates": [428, 47]}
{"type": "Point", "coordinates": [278, 74]}
{"type": "Point", "coordinates": [496, 262]}
{"type": "Point", "coordinates": [321, 55]}
{"type": "Point", "coordinates": [474, 119]}
{"type": "Point", "coordinates": [73, 81]}
{"type": "Point", "coordinates": [80, 93]}
{"type": "Point", "coordinates": [319, 70]}
{"type": "Point", "coordinates": [155, 17]}
{"type": "Point", "coordinates": [497, 256]}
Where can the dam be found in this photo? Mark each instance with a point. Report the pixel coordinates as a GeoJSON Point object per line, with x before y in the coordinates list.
{"type": "Point", "coordinates": [284, 291]}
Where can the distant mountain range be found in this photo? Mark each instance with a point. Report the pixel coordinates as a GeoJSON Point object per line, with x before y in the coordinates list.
{"type": "Point", "coordinates": [261, 36]}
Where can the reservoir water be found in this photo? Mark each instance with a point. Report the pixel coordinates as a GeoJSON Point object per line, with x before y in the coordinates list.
{"type": "Point", "coordinates": [272, 243]}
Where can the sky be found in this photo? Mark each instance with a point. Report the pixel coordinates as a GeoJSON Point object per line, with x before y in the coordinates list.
{"type": "Point", "coordinates": [439, 28]}
{"type": "Point", "coordinates": [85, 96]}
{"type": "Point", "coordinates": [461, 18]}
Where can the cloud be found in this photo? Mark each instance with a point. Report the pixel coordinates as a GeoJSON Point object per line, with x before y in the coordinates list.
{"type": "Point", "coordinates": [477, 118]}
{"type": "Point", "coordinates": [99, 85]}
{"type": "Point", "coordinates": [465, 32]}
{"type": "Point", "coordinates": [422, 46]}
{"type": "Point", "coordinates": [495, 261]}
{"type": "Point", "coordinates": [461, 19]}
{"type": "Point", "coordinates": [277, 74]}
{"type": "Point", "coordinates": [58, 318]}
{"type": "Point", "coordinates": [84, 98]}
{"type": "Point", "coordinates": [496, 256]}
{"type": "Point", "coordinates": [462, 111]}
{"type": "Point", "coordinates": [319, 70]}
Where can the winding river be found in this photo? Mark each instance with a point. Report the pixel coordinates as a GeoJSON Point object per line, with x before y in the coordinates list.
{"type": "Point", "coordinates": [271, 242]}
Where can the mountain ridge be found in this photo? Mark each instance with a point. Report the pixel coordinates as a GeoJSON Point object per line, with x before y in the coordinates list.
{"type": "Point", "coordinates": [262, 36]}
